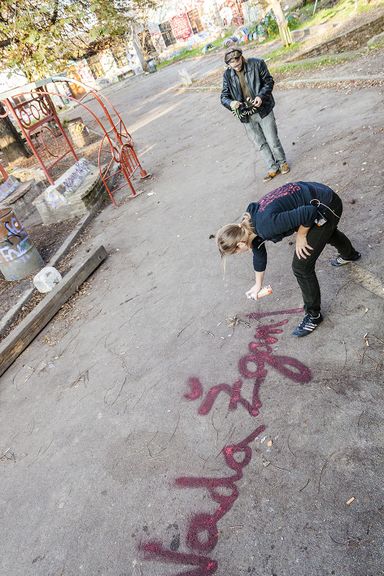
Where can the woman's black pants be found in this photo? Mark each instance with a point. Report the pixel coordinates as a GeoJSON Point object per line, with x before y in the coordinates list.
{"type": "Point", "coordinates": [318, 237]}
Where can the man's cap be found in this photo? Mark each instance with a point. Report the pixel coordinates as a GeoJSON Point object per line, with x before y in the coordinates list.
{"type": "Point", "coordinates": [232, 52]}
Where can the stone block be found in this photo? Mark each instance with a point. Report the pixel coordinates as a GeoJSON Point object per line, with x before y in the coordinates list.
{"type": "Point", "coordinates": [8, 187]}
{"type": "Point", "coordinates": [60, 202]}
{"type": "Point", "coordinates": [21, 199]}
{"type": "Point", "coordinates": [25, 174]}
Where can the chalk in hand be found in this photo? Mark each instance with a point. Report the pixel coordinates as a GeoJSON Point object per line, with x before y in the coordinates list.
{"type": "Point", "coordinates": [266, 291]}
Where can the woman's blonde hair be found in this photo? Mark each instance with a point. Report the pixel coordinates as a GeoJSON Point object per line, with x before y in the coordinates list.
{"type": "Point", "coordinates": [228, 237]}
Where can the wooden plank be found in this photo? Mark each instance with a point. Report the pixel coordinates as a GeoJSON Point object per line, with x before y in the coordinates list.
{"type": "Point", "coordinates": [14, 344]}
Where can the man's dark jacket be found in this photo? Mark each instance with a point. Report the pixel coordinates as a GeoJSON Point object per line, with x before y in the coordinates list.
{"type": "Point", "coordinates": [260, 83]}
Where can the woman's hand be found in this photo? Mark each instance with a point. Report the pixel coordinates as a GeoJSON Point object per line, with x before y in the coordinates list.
{"type": "Point", "coordinates": [257, 101]}
{"type": "Point", "coordinates": [303, 249]}
{"type": "Point", "coordinates": [253, 292]}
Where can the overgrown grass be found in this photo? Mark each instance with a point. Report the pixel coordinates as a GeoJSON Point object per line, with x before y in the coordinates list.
{"type": "Point", "coordinates": [183, 55]}
{"type": "Point", "coordinates": [279, 53]}
{"type": "Point", "coordinates": [343, 10]}
{"type": "Point", "coordinates": [310, 64]}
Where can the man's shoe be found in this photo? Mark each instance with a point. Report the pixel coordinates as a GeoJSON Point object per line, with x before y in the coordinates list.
{"type": "Point", "coordinates": [270, 175]}
{"type": "Point", "coordinates": [340, 261]}
{"type": "Point", "coordinates": [307, 325]}
{"type": "Point", "coordinates": [284, 168]}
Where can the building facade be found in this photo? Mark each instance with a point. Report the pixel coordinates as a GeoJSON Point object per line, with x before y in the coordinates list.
{"type": "Point", "coordinates": [189, 21]}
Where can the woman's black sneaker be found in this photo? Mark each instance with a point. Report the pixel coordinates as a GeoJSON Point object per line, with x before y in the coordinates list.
{"type": "Point", "coordinates": [307, 325]}
{"type": "Point", "coordinates": [340, 261]}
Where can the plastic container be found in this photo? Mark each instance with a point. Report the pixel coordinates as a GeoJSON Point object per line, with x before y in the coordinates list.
{"type": "Point", "coordinates": [46, 279]}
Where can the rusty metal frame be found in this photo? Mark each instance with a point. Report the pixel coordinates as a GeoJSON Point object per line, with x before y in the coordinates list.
{"type": "Point", "coordinates": [124, 159]}
{"type": "Point", "coordinates": [33, 115]}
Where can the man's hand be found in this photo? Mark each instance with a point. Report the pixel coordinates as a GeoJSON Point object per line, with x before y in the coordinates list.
{"type": "Point", "coordinates": [303, 249]}
{"type": "Point", "coordinates": [257, 101]}
{"type": "Point", "coordinates": [235, 104]}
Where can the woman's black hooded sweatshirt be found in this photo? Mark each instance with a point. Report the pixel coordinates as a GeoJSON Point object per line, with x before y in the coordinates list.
{"type": "Point", "coordinates": [280, 213]}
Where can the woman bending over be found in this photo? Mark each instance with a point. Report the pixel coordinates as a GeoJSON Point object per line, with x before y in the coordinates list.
{"type": "Point", "coordinates": [310, 209]}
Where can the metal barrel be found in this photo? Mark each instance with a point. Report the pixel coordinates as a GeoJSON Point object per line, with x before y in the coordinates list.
{"type": "Point", "coordinates": [18, 256]}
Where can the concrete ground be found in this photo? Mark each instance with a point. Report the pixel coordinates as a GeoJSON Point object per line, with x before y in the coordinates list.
{"type": "Point", "coordinates": [163, 430]}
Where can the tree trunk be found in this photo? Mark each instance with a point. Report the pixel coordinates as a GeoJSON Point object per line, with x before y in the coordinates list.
{"type": "Point", "coordinates": [12, 145]}
{"type": "Point", "coordinates": [285, 33]}
{"type": "Point", "coordinates": [137, 46]}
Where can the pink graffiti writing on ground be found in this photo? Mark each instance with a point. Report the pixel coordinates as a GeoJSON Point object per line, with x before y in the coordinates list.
{"type": "Point", "coordinates": [202, 535]}
{"type": "Point", "coordinates": [202, 531]}
{"type": "Point", "coordinates": [155, 551]}
{"type": "Point", "coordinates": [252, 366]}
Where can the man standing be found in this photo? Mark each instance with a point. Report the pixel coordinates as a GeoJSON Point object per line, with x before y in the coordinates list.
{"type": "Point", "coordinates": [247, 91]}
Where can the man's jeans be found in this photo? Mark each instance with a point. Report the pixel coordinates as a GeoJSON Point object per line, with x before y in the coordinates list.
{"type": "Point", "coordinates": [317, 238]}
{"type": "Point", "coordinates": [263, 133]}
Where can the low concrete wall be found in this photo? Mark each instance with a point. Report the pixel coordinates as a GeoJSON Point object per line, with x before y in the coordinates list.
{"type": "Point", "coordinates": [54, 205]}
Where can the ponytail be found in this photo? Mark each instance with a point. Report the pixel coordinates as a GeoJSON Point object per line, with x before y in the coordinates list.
{"type": "Point", "coordinates": [229, 236]}
{"type": "Point", "coordinates": [246, 223]}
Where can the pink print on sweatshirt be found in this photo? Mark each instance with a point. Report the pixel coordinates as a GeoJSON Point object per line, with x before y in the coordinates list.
{"type": "Point", "coordinates": [285, 190]}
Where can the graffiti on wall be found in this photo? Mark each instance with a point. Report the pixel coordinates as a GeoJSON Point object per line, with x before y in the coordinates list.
{"type": "Point", "coordinates": [202, 532]}
{"type": "Point", "coordinates": [181, 27]}
{"type": "Point", "coordinates": [14, 241]}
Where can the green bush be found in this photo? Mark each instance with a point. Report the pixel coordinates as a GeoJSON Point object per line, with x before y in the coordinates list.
{"type": "Point", "coordinates": [293, 21]}
{"type": "Point", "coordinates": [270, 24]}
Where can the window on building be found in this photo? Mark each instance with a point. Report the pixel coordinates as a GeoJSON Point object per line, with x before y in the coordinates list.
{"type": "Point", "coordinates": [95, 66]}
{"type": "Point", "coordinates": [167, 34]}
{"type": "Point", "coordinates": [194, 20]}
{"type": "Point", "coordinates": [120, 57]}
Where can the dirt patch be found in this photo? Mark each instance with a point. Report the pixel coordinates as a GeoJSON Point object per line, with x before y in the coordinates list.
{"type": "Point", "coordinates": [46, 239]}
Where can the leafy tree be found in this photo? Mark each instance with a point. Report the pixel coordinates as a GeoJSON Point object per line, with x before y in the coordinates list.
{"type": "Point", "coordinates": [37, 36]}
